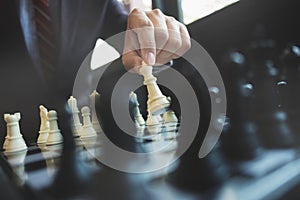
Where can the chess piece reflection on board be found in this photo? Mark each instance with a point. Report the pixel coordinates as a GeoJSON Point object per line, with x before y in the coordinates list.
{"type": "Point", "coordinates": [15, 148]}
{"type": "Point", "coordinates": [51, 155]}
{"type": "Point", "coordinates": [71, 171]}
{"type": "Point", "coordinates": [16, 161]}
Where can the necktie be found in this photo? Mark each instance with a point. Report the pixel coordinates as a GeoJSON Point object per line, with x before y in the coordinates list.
{"type": "Point", "coordinates": [45, 37]}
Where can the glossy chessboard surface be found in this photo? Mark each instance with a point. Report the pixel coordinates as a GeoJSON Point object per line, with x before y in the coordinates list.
{"type": "Point", "coordinates": [37, 169]}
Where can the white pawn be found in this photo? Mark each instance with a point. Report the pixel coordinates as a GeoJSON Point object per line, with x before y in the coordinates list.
{"type": "Point", "coordinates": [95, 121]}
{"type": "Point", "coordinates": [138, 118]}
{"type": "Point", "coordinates": [157, 103]}
{"type": "Point", "coordinates": [55, 136]}
{"type": "Point", "coordinates": [154, 132]}
{"type": "Point", "coordinates": [153, 126]}
{"type": "Point", "coordinates": [14, 140]}
{"type": "Point", "coordinates": [76, 125]}
{"type": "Point", "coordinates": [44, 127]}
{"type": "Point", "coordinates": [170, 117]}
{"type": "Point", "coordinates": [152, 120]}
{"type": "Point", "coordinates": [170, 120]}
{"type": "Point", "coordinates": [158, 118]}
{"type": "Point", "coordinates": [87, 129]}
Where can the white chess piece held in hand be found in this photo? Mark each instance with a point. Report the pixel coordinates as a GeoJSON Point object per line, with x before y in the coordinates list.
{"type": "Point", "coordinates": [157, 103]}
{"type": "Point", "coordinates": [153, 37]}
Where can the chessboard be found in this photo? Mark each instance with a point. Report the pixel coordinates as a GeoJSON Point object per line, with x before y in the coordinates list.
{"type": "Point", "coordinates": [70, 164]}
{"type": "Point", "coordinates": [48, 171]}
{"type": "Point", "coordinates": [256, 157]}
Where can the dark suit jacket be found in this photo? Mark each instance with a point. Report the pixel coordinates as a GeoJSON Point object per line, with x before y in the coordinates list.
{"type": "Point", "coordinates": [77, 25]}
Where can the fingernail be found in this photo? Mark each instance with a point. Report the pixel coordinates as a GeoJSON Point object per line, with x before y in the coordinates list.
{"type": "Point", "coordinates": [150, 57]}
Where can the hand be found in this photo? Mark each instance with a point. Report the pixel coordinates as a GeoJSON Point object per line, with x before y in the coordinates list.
{"type": "Point", "coordinates": [154, 38]}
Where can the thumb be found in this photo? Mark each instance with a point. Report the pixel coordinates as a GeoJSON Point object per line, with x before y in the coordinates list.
{"type": "Point", "coordinates": [149, 56]}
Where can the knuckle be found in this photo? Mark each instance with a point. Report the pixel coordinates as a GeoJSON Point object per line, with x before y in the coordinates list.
{"type": "Point", "coordinates": [148, 44]}
{"type": "Point", "coordinates": [157, 12]}
{"type": "Point", "coordinates": [184, 48]}
{"type": "Point", "coordinates": [176, 40]}
{"type": "Point", "coordinates": [164, 54]}
{"type": "Point", "coordinates": [188, 44]}
{"type": "Point", "coordinates": [139, 21]}
{"type": "Point", "coordinates": [176, 43]}
{"type": "Point", "coordinates": [125, 62]}
{"type": "Point", "coordinates": [135, 11]}
{"type": "Point", "coordinates": [185, 37]}
{"type": "Point", "coordinates": [183, 27]}
{"type": "Point", "coordinates": [171, 19]}
{"type": "Point", "coordinates": [173, 45]}
{"type": "Point", "coordinates": [130, 18]}
{"type": "Point", "coordinates": [162, 35]}
{"type": "Point", "coordinates": [144, 22]}
{"type": "Point", "coordinates": [137, 18]}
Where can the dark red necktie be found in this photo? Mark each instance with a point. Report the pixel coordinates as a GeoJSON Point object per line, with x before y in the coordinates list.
{"type": "Point", "coordinates": [45, 36]}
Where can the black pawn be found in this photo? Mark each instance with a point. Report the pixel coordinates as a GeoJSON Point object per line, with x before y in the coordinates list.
{"type": "Point", "coordinates": [239, 139]}
{"type": "Point", "coordinates": [199, 174]}
{"type": "Point", "coordinates": [191, 172]}
{"type": "Point", "coordinates": [270, 103]}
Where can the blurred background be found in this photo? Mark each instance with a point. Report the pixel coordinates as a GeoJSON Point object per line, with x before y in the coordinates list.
{"type": "Point", "coordinates": [255, 44]}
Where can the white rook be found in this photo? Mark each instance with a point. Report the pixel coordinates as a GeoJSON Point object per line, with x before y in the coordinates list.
{"type": "Point", "coordinates": [14, 140]}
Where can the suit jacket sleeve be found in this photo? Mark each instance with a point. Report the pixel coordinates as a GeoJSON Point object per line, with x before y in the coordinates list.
{"type": "Point", "coordinates": [115, 19]}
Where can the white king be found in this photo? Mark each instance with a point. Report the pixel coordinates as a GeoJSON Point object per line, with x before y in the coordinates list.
{"type": "Point", "coordinates": [157, 103]}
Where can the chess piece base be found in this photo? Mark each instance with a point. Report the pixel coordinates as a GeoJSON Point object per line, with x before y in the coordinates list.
{"type": "Point", "coordinates": [43, 136]}
{"type": "Point", "coordinates": [54, 138]}
{"type": "Point", "coordinates": [15, 144]}
{"type": "Point", "coordinates": [88, 132]}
